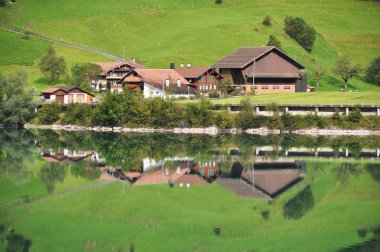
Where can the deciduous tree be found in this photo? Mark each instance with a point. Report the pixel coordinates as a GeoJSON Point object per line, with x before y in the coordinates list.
{"type": "Point", "coordinates": [52, 66]}
{"type": "Point", "coordinates": [346, 69]}
{"type": "Point", "coordinates": [318, 73]}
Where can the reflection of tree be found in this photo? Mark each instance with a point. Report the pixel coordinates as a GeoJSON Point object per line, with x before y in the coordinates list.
{"type": "Point", "coordinates": [355, 149]}
{"type": "Point", "coordinates": [85, 169]}
{"type": "Point", "coordinates": [299, 205]}
{"type": "Point", "coordinates": [50, 174]}
{"type": "Point", "coordinates": [345, 170]}
{"type": "Point", "coordinates": [16, 147]}
{"type": "Point", "coordinates": [374, 170]}
{"type": "Point", "coordinates": [15, 242]}
{"type": "Point", "coordinates": [367, 246]}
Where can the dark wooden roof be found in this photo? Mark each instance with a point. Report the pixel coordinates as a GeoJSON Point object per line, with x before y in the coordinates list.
{"type": "Point", "coordinates": [66, 89]}
{"type": "Point", "coordinates": [193, 72]}
{"type": "Point", "coordinates": [245, 55]}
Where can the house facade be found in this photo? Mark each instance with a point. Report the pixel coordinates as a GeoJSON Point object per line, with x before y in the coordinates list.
{"type": "Point", "coordinates": [158, 83]}
{"type": "Point", "coordinates": [112, 73]}
{"type": "Point", "coordinates": [263, 69]}
{"type": "Point", "coordinates": [204, 79]}
{"type": "Point", "coordinates": [66, 95]}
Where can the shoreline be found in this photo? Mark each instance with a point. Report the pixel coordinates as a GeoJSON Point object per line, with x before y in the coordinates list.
{"type": "Point", "coordinates": [213, 130]}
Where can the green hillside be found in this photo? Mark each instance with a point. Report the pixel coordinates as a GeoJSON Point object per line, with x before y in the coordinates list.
{"type": "Point", "coordinates": [161, 31]}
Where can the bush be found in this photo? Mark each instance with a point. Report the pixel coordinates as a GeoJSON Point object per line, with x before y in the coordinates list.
{"type": "Point", "coordinates": [217, 231]}
{"type": "Point", "coordinates": [355, 116]}
{"type": "Point", "coordinates": [265, 214]}
{"type": "Point", "coordinates": [200, 114]}
{"type": "Point", "coordinates": [225, 119]}
{"type": "Point", "coordinates": [300, 31]}
{"type": "Point", "coordinates": [274, 42]}
{"type": "Point", "coordinates": [267, 21]}
{"type": "Point", "coordinates": [49, 113]}
{"type": "Point", "coordinates": [79, 114]}
{"type": "Point", "coordinates": [218, 1]}
{"type": "Point", "coordinates": [373, 71]}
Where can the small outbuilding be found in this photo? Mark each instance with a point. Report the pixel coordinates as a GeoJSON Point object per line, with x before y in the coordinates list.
{"type": "Point", "coordinates": [66, 95]}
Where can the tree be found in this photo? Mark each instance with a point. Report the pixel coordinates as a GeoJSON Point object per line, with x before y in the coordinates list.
{"type": "Point", "coordinates": [92, 72]}
{"type": "Point", "coordinates": [274, 42]}
{"type": "Point", "coordinates": [346, 69]}
{"type": "Point", "coordinates": [300, 31]}
{"type": "Point", "coordinates": [318, 73]}
{"type": "Point", "coordinates": [267, 21]}
{"type": "Point", "coordinates": [3, 3]}
{"type": "Point", "coordinates": [51, 65]}
{"type": "Point", "coordinates": [373, 71]}
{"type": "Point", "coordinates": [218, 1]}
{"type": "Point", "coordinates": [16, 103]}
{"type": "Point", "coordinates": [49, 113]}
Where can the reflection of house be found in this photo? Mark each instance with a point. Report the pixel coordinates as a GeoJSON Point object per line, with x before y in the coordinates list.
{"type": "Point", "coordinates": [112, 72]}
{"type": "Point", "coordinates": [66, 95]}
{"type": "Point", "coordinates": [158, 83]}
{"type": "Point", "coordinates": [208, 170]}
{"type": "Point", "coordinates": [65, 155]}
{"type": "Point", "coordinates": [272, 182]}
{"type": "Point", "coordinates": [205, 79]}
{"type": "Point", "coordinates": [264, 69]}
{"type": "Point", "coordinates": [165, 176]}
{"type": "Point", "coordinates": [267, 180]}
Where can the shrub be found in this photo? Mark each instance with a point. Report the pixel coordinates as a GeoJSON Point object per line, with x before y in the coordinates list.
{"type": "Point", "coordinates": [355, 116]}
{"type": "Point", "coordinates": [288, 121]}
{"type": "Point", "coordinates": [49, 113]}
{"type": "Point", "coordinates": [218, 1]}
{"type": "Point", "coordinates": [79, 114]}
{"type": "Point", "coordinates": [200, 114]}
{"type": "Point", "coordinates": [267, 21]}
{"type": "Point", "coordinates": [274, 42]}
{"type": "Point", "coordinates": [217, 231]}
{"type": "Point", "coordinates": [225, 119]}
{"type": "Point", "coordinates": [300, 31]}
{"type": "Point", "coordinates": [265, 214]}
{"type": "Point", "coordinates": [373, 71]}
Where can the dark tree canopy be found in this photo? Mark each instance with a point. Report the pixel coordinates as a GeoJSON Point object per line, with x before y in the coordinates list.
{"type": "Point", "coordinates": [301, 32]}
{"type": "Point", "coordinates": [52, 66]}
{"type": "Point", "coordinates": [373, 71]}
{"type": "Point", "coordinates": [298, 206]}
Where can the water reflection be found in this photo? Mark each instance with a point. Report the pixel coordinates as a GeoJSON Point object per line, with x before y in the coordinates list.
{"type": "Point", "coordinates": [250, 166]}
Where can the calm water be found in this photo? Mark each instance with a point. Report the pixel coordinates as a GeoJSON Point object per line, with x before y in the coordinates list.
{"type": "Point", "coordinates": [275, 185]}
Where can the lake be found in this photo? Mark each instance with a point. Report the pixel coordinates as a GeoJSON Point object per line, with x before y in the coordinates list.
{"type": "Point", "coordinates": [91, 191]}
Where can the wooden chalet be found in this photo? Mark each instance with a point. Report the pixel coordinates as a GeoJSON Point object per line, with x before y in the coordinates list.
{"type": "Point", "coordinates": [204, 79]}
{"type": "Point", "coordinates": [112, 73]}
{"type": "Point", "coordinates": [263, 69]}
{"type": "Point", "coordinates": [157, 82]}
{"type": "Point", "coordinates": [66, 95]}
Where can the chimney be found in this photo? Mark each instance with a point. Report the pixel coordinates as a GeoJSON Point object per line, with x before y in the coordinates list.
{"type": "Point", "coordinates": [133, 60]}
{"type": "Point", "coordinates": [182, 65]}
{"type": "Point", "coordinates": [188, 65]}
{"type": "Point", "coordinates": [172, 65]}
{"type": "Point", "coordinates": [178, 82]}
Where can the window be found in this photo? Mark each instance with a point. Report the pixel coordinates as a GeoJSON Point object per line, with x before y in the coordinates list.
{"type": "Point", "coordinates": [210, 172]}
{"type": "Point", "coordinates": [211, 78]}
{"type": "Point", "coordinates": [264, 87]}
{"type": "Point", "coordinates": [202, 78]}
{"type": "Point", "coordinates": [287, 87]}
{"type": "Point", "coordinates": [276, 87]}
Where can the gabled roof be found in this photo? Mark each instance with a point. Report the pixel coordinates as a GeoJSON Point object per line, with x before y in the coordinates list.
{"type": "Point", "coordinates": [157, 78]}
{"type": "Point", "coordinates": [109, 66]}
{"type": "Point", "coordinates": [192, 72]}
{"type": "Point", "coordinates": [66, 89]}
{"type": "Point", "coordinates": [245, 55]}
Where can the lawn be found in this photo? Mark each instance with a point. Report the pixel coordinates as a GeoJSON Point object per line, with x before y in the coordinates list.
{"type": "Point", "coordinates": [163, 31]}
{"type": "Point", "coordinates": [317, 98]}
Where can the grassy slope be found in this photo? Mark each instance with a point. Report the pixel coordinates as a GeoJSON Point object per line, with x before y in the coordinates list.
{"type": "Point", "coordinates": [20, 53]}
{"type": "Point", "coordinates": [159, 32]}
{"type": "Point", "coordinates": [107, 219]}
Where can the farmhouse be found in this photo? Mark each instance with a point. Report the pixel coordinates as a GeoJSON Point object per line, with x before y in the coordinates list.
{"type": "Point", "coordinates": [66, 95]}
{"type": "Point", "coordinates": [204, 79]}
{"type": "Point", "coordinates": [112, 72]}
{"type": "Point", "coordinates": [158, 83]}
{"type": "Point", "coordinates": [263, 69]}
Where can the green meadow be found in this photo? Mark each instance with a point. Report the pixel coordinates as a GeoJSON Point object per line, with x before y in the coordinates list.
{"type": "Point", "coordinates": [199, 32]}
